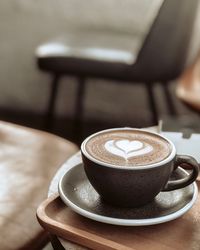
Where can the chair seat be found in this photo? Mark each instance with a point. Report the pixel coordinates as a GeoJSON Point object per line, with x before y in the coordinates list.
{"type": "Point", "coordinates": [28, 160]}
{"type": "Point", "coordinates": [86, 55]}
{"type": "Point", "coordinates": [90, 46]}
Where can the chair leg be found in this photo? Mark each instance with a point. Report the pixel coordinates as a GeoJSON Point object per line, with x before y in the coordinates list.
{"type": "Point", "coordinates": [79, 108]}
{"type": "Point", "coordinates": [55, 242]}
{"type": "Point", "coordinates": [51, 104]}
{"type": "Point", "coordinates": [152, 103]}
{"type": "Point", "coordinates": [168, 98]}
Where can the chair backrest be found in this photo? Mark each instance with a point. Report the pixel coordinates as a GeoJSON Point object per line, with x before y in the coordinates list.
{"type": "Point", "coordinates": [166, 48]}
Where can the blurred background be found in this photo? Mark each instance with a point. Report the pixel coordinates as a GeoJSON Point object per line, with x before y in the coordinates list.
{"type": "Point", "coordinates": [108, 63]}
{"type": "Point", "coordinates": [24, 90]}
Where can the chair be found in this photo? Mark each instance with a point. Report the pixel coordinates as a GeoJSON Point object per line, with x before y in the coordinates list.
{"type": "Point", "coordinates": [161, 59]}
{"type": "Point", "coordinates": [28, 160]}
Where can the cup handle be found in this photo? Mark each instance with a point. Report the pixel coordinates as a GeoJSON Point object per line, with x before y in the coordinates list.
{"type": "Point", "coordinates": [186, 162]}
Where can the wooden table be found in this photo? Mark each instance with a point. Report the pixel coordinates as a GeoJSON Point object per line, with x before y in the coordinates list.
{"type": "Point", "coordinates": [54, 189]}
{"type": "Point", "coordinates": [188, 87]}
{"type": "Point", "coordinates": [76, 159]}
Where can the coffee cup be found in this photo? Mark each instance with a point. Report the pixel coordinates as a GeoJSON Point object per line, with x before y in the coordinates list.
{"type": "Point", "coordinates": [129, 167]}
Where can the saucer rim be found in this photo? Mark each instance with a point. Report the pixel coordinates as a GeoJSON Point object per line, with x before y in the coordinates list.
{"type": "Point", "coordinates": [126, 222]}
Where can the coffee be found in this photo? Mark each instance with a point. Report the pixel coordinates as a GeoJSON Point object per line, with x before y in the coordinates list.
{"type": "Point", "coordinates": [127, 147]}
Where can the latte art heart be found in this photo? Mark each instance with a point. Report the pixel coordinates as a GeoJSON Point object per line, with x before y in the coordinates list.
{"type": "Point", "coordinates": [127, 149]}
{"type": "Point", "coordinates": [128, 146]}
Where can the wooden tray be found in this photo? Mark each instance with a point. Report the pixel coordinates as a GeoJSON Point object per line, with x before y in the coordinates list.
{"type": "Point", "coordinates": [180, 234]}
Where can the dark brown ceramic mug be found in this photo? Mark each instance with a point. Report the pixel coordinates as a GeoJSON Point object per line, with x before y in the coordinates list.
{"type": "Point", "coordinates": [129, 167]}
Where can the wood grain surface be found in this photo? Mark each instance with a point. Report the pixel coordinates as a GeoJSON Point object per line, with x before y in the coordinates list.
{"type": "Point", "coordinates": [180, 234]}
{"type": "Point", "coordinates": [188, 87]}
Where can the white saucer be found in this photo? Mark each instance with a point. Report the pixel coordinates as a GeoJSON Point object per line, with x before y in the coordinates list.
{"type": "Point", "coordinates": [77, 193]}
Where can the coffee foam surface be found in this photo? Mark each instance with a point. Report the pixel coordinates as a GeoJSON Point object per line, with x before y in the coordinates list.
{"type": "Point", "coordinates": [128, 148]}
